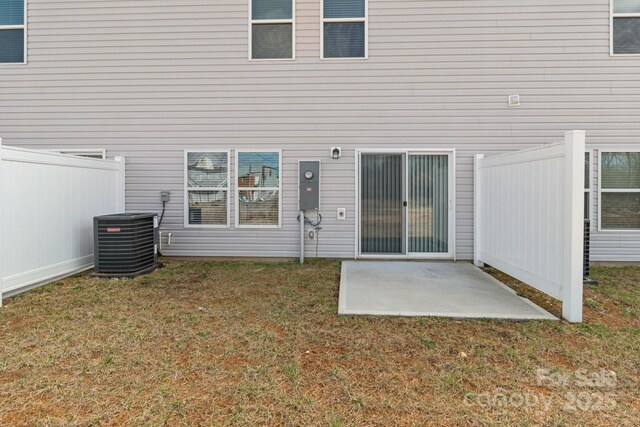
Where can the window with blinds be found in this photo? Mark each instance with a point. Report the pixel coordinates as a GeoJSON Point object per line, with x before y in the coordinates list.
{"type": "Point", "coordinates": [625, 27]}
{"type": "Point", "coordinates": [619, 190]}
{"type": "Point", "coordinates": [12, 31]}
{"type": "Point", "coordinates": [272, 27]}
{"type": "Point", "coordinates": [344, 28]}
{"type": "Point", "coordinates": [258, 201]}
{"type": "Point", "coordinates": [207, 189]}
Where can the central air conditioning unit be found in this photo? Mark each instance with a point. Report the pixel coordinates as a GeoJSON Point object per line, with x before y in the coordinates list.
{"type": "Point", "coordinates": [125, 245]}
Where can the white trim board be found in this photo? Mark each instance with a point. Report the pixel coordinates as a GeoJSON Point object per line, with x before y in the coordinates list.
{"type": "Point", "coordinates": [589, 191]}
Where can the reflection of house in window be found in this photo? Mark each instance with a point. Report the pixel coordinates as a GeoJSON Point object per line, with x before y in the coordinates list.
{"type": "Point", "coordinates": [205, 171]}
{"type": "Point", "coordinates": [266, 177]}
{"type": "Point", "coordinates": [207, 195]}
{"type": "Point", "coordinates": [258, 188]}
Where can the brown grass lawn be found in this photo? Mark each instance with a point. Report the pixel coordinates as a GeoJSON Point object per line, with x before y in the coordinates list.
{"type": "Point", "coordinates": [249, 343]}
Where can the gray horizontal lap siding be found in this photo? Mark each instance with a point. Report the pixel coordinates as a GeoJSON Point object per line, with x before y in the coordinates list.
{"type": "Point", "coordinates": [148, 79]}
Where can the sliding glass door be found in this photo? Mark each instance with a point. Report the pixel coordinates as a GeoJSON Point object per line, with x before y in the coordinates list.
{"type": "Point", "coordinates": [405, 204]}
{"type": "Point", "coordinates": [428, 203]}
{"type": "Point", "coordinates": [381, 204]}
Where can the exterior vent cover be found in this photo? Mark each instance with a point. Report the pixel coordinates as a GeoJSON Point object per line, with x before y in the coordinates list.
{"type": "Point", "coordinates": [125, 245]}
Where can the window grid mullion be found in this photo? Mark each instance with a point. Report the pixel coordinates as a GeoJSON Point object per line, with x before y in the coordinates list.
{"type": "Point", "coordinates": [258, 188]}
{"type": "Point", "coordinates": [339, 20]}
{"type": "Point", "coordinates": [271, 21]}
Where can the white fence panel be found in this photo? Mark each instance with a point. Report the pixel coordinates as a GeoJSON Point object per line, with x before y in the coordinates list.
{"type": "Point", "coordinates": [47, 205]}
{"type": "Point", "coordinates": [529, 217]}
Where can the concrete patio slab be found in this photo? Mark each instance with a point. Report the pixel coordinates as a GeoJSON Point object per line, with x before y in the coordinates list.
{"type": "Point", "coordinates": [446, 289]}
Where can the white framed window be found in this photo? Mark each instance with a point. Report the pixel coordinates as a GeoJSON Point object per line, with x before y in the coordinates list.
{"type": "Point", "coordinates": [258, 188]}
{"type": "Point", "coordinates": [618, 190]}
{"type": "Point", "coordinates": [272, 29]}
{"type": "Point", "coordinates": [624, 27]}
{"type": "Point", "coordinates": [206, 189]}
{"type": "Point", "coordinates": [344, 29]}
{"type": "Point", "coordinates": [13, 31]}
{"type": "Point", "coordinates": [588, 158]}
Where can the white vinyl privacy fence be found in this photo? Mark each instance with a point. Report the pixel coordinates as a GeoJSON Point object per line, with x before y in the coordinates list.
{"type": "Point", "coordinates": [47, 205]}
{"type": "Point", "coordinates": [529, 213]}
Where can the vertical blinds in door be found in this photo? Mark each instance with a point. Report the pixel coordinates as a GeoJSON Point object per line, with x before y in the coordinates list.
{"type": "Point", "coordinates": [428, 214]}
{"type": "Point", "coordinates": [381, 204]}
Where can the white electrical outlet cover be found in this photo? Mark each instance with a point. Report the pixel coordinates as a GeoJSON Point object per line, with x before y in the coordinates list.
{"type": "Point", "coordinates": [341, 213]}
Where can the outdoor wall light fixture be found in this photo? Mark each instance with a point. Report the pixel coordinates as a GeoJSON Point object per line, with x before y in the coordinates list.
{"type": "Point", "coordinates": [336, 153]}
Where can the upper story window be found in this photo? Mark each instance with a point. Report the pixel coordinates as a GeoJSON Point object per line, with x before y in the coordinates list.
{"type": "Point", "coordinates": [344, 29]}
{"type": "Point", "coordinates": [625, 27]}
{"type": "Point", "coordinates": [12, 31]}
{"type": "Point", "coordinates": [272, 29]}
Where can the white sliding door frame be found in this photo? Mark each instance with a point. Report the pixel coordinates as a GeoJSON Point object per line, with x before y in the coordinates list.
{"type": "Point", "coordinates": [450, 254]}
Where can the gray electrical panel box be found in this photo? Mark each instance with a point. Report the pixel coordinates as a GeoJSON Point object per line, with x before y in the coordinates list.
{"type": "Point", "coordinates": [309, 185]}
